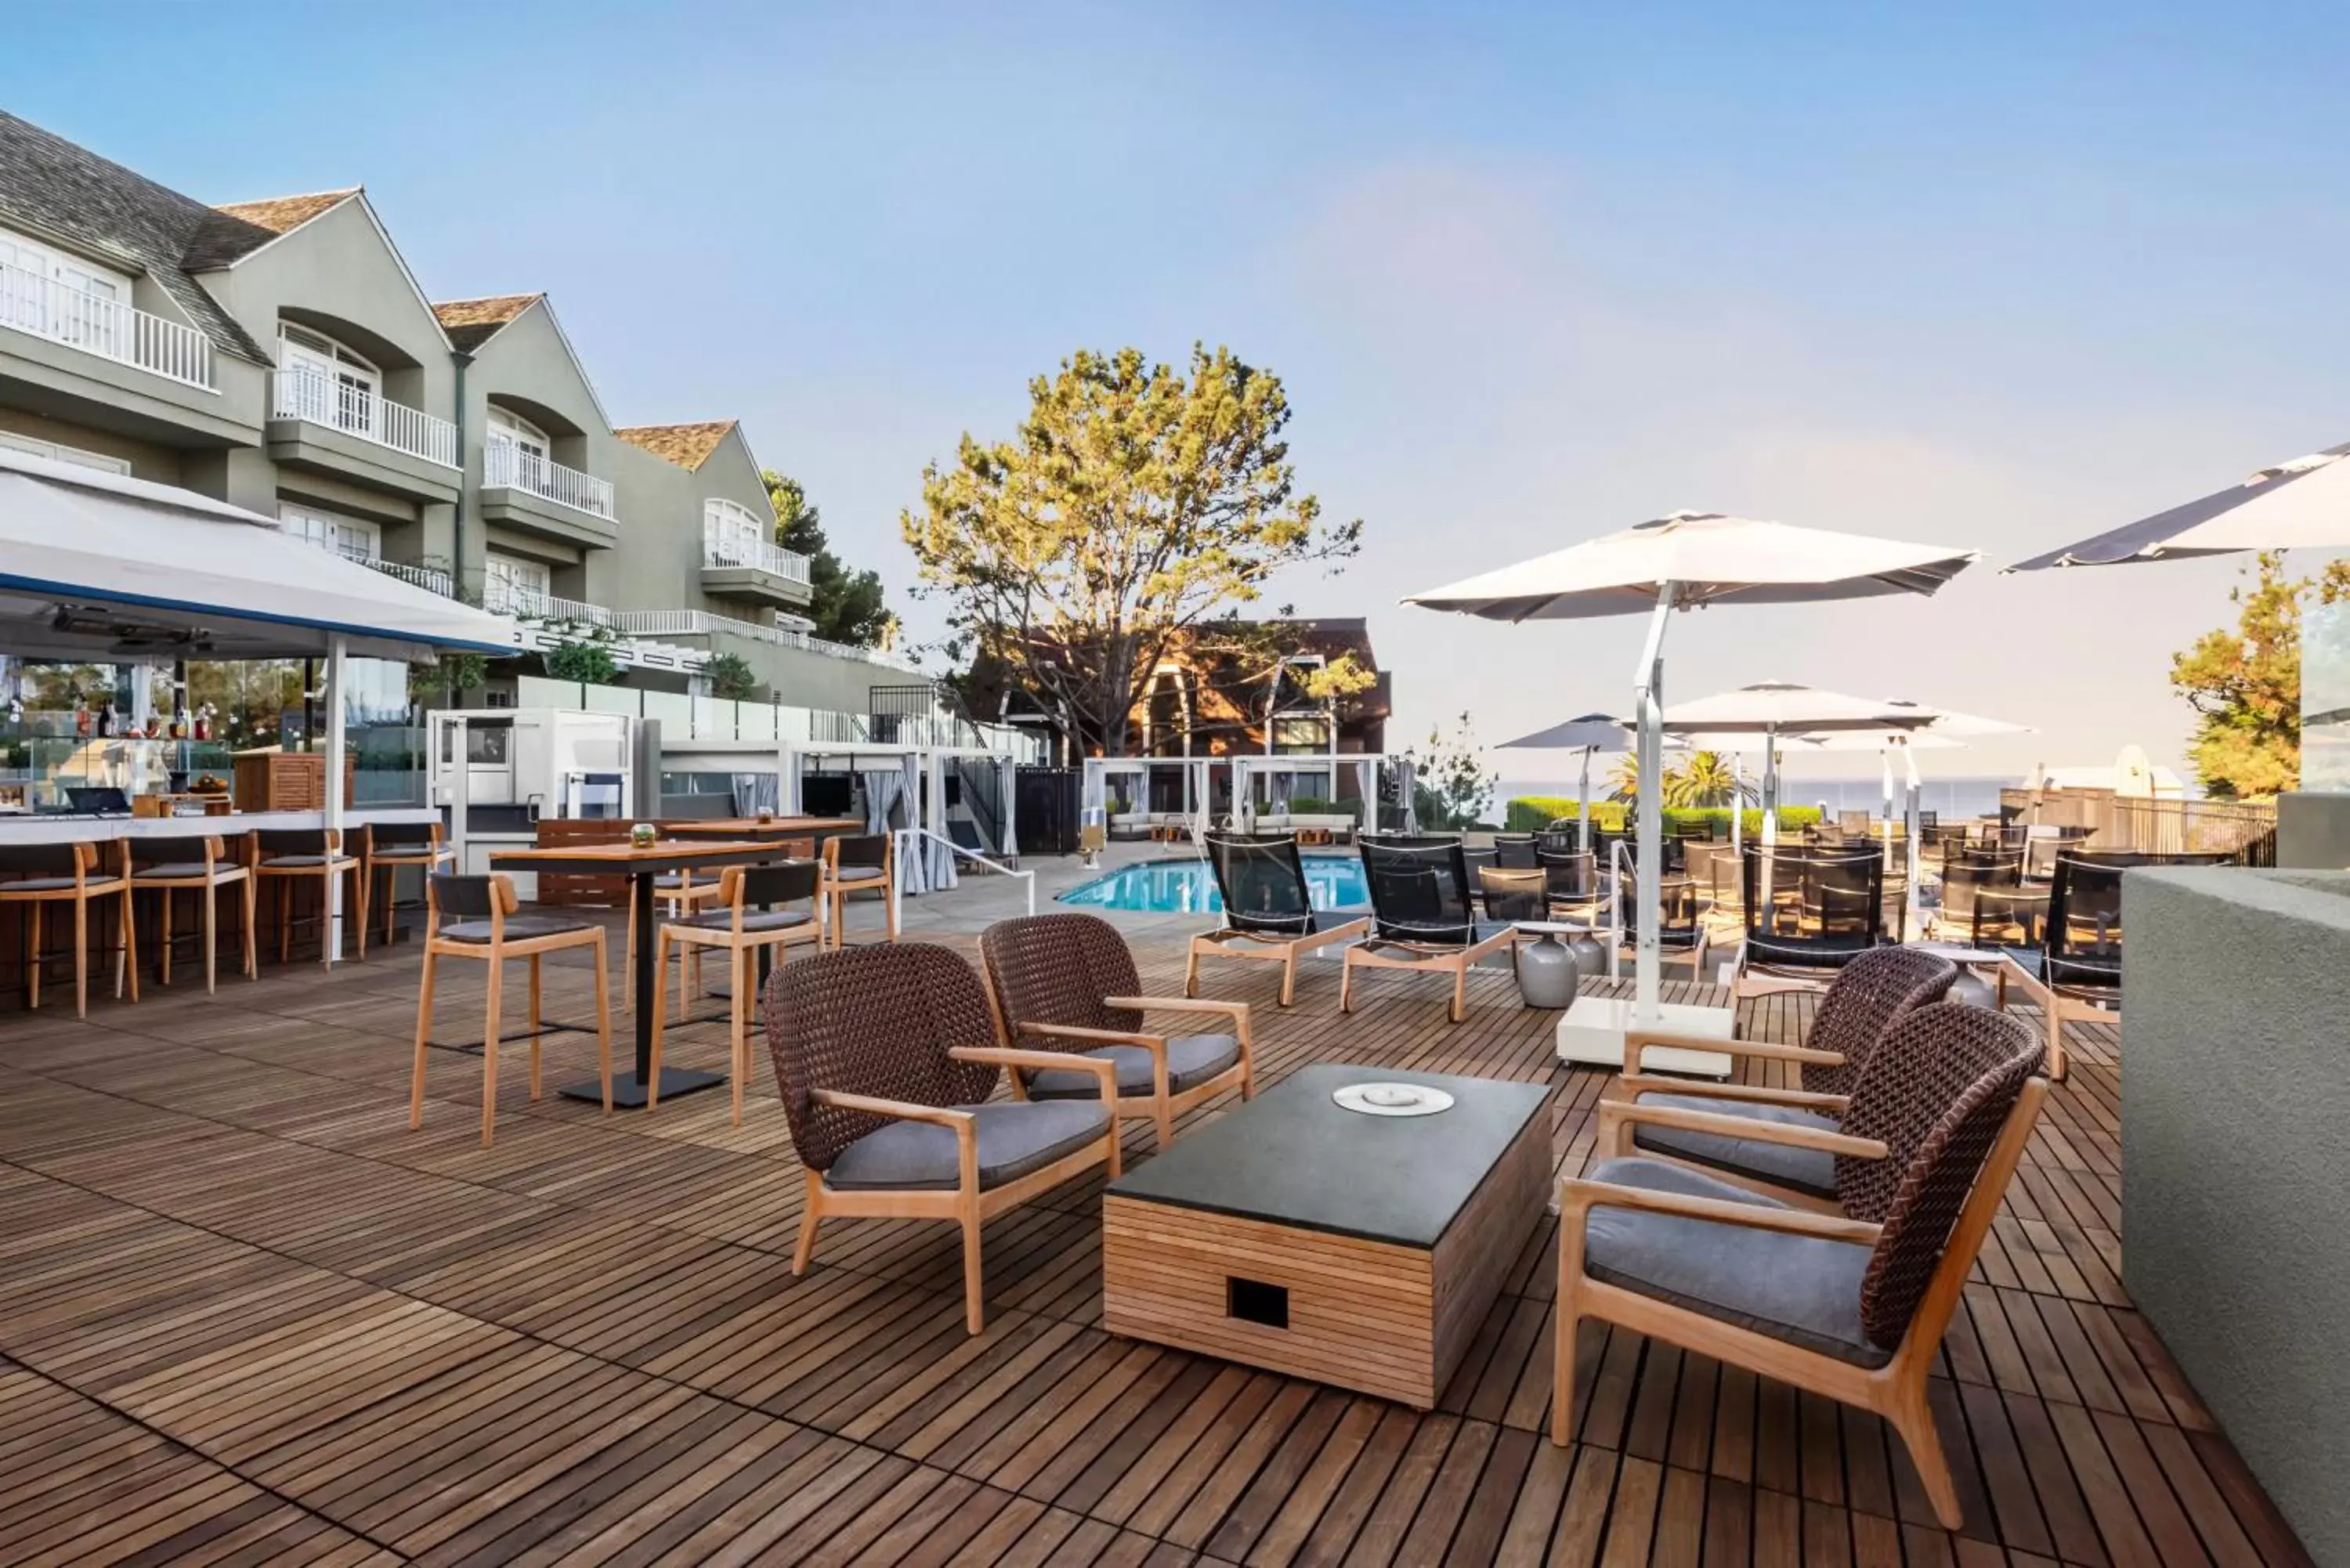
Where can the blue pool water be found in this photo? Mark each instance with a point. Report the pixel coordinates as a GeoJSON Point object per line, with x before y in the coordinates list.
{"type": "Point", "coordinates": [1189, 887]}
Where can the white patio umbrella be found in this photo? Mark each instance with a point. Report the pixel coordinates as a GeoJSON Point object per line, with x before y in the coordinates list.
{"type": "Point", "coordinates": [1770, 709]}
{"type": "Point", "coordinates": [2301, 504]}
{"type": "Point", "coordinates": [1679, 562]}
{"type": "Point", "coordinates": [1885, 744]}
{"type": "Point", "coordinates": [1587, 734]}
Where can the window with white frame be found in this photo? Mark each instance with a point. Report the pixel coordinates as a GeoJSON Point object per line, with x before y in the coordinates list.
{"type": "Point", "coordinates": [58, 295]}
{"type": "Point", "coordinates": [518, 451]}
{"type": "Point", "coordinates": [56, 451]}
{"type": "Point", "coordinates": [353, 538]}
{"type": "Point", "coordinates": [731, 534]}
{"type": "Point", "coordinates": [511, 584]}
{"type": "Point", "coordinates": [323, 382]}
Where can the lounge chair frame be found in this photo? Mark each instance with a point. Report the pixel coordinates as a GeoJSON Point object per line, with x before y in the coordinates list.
{"type": "Point", "coordinates": [1281, 939]}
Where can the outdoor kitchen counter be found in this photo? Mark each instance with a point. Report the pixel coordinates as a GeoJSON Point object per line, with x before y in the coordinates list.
{"type": "Point", "coordinates": [68, 828]}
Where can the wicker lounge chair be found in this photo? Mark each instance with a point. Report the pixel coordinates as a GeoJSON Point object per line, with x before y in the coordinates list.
{"type": "Point", "coordinates": [886, 1056]}
{"type": "Point", "coordinates": [1867, 998]}
{"type": "Point", "coordinates": [1068, 983]}
{"type": "Point", "coordinates": [1268, 914]}
{"type": "Point", "coordinates": [1853, 1305]}
{"type": "Point", "coordinates": [1423, 916]}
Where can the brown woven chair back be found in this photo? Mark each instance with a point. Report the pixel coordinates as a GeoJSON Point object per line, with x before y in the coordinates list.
{"type": "Point", "coordinates": [1055, 969]}
{"type": "Point", "coordinates": [876, 1021]}
{"type": "Point", "coordinates": [1869, 996]}
{"type": "Point", "coordinates": [1936, 1093]}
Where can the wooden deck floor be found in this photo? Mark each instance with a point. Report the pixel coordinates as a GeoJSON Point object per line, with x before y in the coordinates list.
{"type": "Point", "coordinates": [248, 1316]}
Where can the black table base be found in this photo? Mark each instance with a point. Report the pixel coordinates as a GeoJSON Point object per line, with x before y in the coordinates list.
{"type": "Point", "coordinates": [629, 1090]}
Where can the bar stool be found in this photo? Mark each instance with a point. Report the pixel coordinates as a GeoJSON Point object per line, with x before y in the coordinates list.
{"type": "Point", "coordinates": [487, 927]}
{"type": "Point", "coordinates": [742, 932]}
{"type": "Point", "coordinates": [168, 865]}
{"type": "Point", "coordinates": [387, 846]}
{"type": "Point", "coordinates": [864, 862]}
{"type": "Point", "coordinates": [681, 891]}
{"type": "Point", "coordinates": [69, 873]}
{"type": "Point", "coordinates": [290, 856]}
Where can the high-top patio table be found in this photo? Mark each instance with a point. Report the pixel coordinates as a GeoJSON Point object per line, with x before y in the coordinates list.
{"type": "Point", "coordinates": [815, 829]}
{"type": "Point", "coordinates": [1361, 1250]}
{"type": "Point", "coordinates": [641, 865]}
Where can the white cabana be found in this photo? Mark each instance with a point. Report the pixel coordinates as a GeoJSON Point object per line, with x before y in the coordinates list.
{"type": "Point", "coordinates": [1679, 562]}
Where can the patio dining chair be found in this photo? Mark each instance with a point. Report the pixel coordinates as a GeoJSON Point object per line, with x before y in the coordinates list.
{"type": "Point", "coordinates": [1979, 906]}
{"type": "Point", "coordinates": [744, 924]}
{"type": "Point", "coordinates": [1268, 914]}
{"type": "Point", "coordinates": [1514, 851]}
{"type": "Point", "coordinates": [1067, 983]}
{"type": "Point", "coordinates": [72, 874]}
{"type": "Point", "coordinates": [886, 1057]}
{"type": "Point", "coordinates": [392, 847]}
{"type": "Point", "coordinates": [288, 858]}
{"type": "Point", "coordinates": [1423, 917]}
{"type": "Point", "coordinates": [2074, 974]}
{"type": "Point", "coordinates": [1859, 1009]}
{"type": "Point", "coordinates": [490, 927]}
{"type": "Point", "coordinates": [1850, 1305]}
{"type": "Point", "coordinates": [1681, 932]}
{"type": "Point", "coordinates": [168, 867]}
{"type": "Point", "coordinates": [1809, 912]}
{"type": "Point", "coordinates": [858, 863]}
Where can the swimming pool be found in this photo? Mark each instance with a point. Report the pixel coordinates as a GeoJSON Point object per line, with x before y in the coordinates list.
{"type": "Point", "coordinates": [1189, 887]}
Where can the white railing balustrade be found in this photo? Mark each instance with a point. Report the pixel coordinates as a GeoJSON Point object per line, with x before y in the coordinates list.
{"type": "Point", "coordinates": [431, 579]}
{"type": "Point", "coordinates": [702, 623]}
{"type": "Point", "coordinates": [718, 551]}
{"type": "Point", "coordinates": [502, 598]}
{"type": "Point", "coordinates": [357, 410]}
{"type": "Point", "coordinates": [507, 464]}
{"type": "Point", "coordinates": [109, 328]}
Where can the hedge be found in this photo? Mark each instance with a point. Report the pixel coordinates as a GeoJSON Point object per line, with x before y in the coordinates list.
{"type": "Point", "coordinates": [1532, 812]}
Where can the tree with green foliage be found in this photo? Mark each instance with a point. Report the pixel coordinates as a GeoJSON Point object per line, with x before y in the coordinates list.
{"type": "Point", "coordinates": [846, 606]}
{"type": "Point", "coordinates": [587, 661]}
{"type": "Point", "coordinates": [730, 677]}
{"type": "Point", "coordinates": [2244, 683]}
{"type": "Point", "coordinates": [1451, 789]}
{"type": "Point", "coordinates": [1133, 512]}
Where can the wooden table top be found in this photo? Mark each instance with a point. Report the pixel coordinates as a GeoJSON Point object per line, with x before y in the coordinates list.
{"type": "Point", "coordinates": [787, 827]}
{"type": "Point", "coordinates": [625, 855]}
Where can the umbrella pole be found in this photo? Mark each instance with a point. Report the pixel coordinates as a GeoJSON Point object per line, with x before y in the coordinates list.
{"type": "Point", "coordinates": [1585, 825]}
{"type": "Point", "coordinates": [1648, 694]}
{"type": "Point", "coordinates": [1910, 909]}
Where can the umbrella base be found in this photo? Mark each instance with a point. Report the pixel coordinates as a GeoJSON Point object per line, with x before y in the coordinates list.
{"type": "Point", "coordinates": [1591, 1034]}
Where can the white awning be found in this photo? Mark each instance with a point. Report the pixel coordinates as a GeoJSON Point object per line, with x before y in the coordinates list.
{"type": "Point", "coordinates": [96, 564]}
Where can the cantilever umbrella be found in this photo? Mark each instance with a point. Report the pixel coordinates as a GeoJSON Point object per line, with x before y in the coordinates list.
{"type": "Point", "coordinates": [2301, 504]}
{"type": "Point", "coordinates": [1680, 562]}
{"type": "Point", "coordinates": [1773, 710]}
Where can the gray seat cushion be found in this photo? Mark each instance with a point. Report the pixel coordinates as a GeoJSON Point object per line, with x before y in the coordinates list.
{"type": "Point", "coordinates": [674, 881]}
{"type": "Point", "coordinates": [296, 862]}
{"type": "Point", "coordinates": [1190, 1061]}
{"type": "Point", "coordinates": [37, 885]}
{"type": "Point", "coordinates": [1014, 1139]}
{"type": "Point", "coordinates": [1805, 1290]}
{"type": "Point", "coordinates": [858, 874]}
{"type": "Point", "coordinates": [519, 928]}
{"type": "Point", "coordinates": [1807, 1171]}
{"type": "Point", "coordinates": [753, 919]}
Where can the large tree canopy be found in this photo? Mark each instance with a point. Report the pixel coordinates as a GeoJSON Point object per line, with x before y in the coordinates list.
{"type": "Point", "coordinates": [2244, 683]}
{"type": "Point", "coordinates": [1135, 509]}
{"type": "Point", "coordinates": [846, 606]}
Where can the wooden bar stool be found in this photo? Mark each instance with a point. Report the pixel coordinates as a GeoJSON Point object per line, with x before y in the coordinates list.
{"type": "Point", "coordinates": [291, 856]}
{"type": "Point", "coordinates": [487, 927]}
{"type": "Point", "coordinates": [63, 874]}
{"type": "Point", "coordinates": [682, 891]}
{"type": "Point", "coordinates": [200, 866]}
{"type": "Point", "coordinates": [387, 846]}
{"type": "Point", "coordinates": [743, 924]}
{"type": "Point", "coordinates": [858, 863]}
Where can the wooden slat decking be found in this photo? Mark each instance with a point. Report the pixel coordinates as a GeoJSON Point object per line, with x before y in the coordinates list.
{"type": "Point", "coordinates": [246, 1316]}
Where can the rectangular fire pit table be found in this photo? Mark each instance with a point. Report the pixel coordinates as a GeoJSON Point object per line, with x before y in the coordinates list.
{"type": "Point", "coordinates": [1363, 1250]}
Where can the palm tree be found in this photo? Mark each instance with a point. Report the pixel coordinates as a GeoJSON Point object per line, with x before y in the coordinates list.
{"type": "Point", "coordinates": [1706, 779]}
{"type": "Point", "coordinates": [1624, 778]}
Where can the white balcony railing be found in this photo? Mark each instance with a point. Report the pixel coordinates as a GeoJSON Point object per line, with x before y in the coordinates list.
{"type": "Point", "coordinates": [507, 464]}
{"type": "Point", "coordinates": [502, 598]}
{"type": "Point", "coordinates": [109, 328]}
{"type": "Point", "coordinates": [431, 579]}
{"type": "Point", "coordinates": [717, 550]}
{"type": "Point", "coordinates": [356, 410]}
{"type": "Point", "coordinates": [702, 623]}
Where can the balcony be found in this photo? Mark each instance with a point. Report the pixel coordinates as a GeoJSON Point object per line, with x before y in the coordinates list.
{"type": "Point", "coordinates": [429, 578]}
{"type": "Point", "coordinates": [739, 569]}
{"type": "Point", "coordinates": [502, 598]}
{"type": "Point", "coordinates": [523, 491]}
{"type": "Point", "coordinates": [106, 327]}
{"type": "Point", "coordinates": [346, 431]}
{"type": "Point", "coordinates": [702, 623]}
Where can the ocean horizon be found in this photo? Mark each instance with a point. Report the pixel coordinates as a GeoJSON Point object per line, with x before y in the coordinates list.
{"type": "Point", "coordinates": [1954, 797]}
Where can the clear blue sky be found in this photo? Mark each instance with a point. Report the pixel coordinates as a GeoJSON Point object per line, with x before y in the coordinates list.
{"type": "Point", "coordinates": [1997, 275]}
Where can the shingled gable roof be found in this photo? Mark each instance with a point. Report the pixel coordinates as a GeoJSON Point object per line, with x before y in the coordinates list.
{"type": "Point", "coordinates": [279, 214]}
{"type": "Point", "coordinates": [470, 323]}
{"type": "Point", "coordinates": [687, 446]}
{"type": "Point", "coordinates": [53, 189]}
